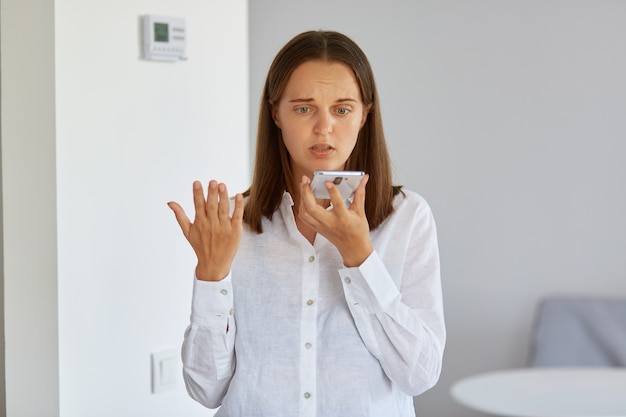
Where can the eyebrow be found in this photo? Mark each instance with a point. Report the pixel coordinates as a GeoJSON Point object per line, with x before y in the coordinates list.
{"type": "Point", "coordinates": [309, 100]}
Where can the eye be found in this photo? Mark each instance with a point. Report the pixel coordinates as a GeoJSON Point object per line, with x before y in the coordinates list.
{"type": "Point", "coordinates": [303, 110]}
{"type": "Point", "coordinates": [343, 111]}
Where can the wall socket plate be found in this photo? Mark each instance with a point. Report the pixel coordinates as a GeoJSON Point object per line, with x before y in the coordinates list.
{"type": "Point", "coordinates": [165, 370]}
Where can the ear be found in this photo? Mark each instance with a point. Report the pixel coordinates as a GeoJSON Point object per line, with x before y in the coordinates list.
{"type": "Point", "coordinates": [274, 111]}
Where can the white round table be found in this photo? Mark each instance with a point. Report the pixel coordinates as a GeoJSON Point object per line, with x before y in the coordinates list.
{"type": "Point", "coordinates": [546, 392]}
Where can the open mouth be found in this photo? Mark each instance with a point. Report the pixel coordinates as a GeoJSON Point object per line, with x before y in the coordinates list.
{"type": "Point", "coordinates": [321, 148]}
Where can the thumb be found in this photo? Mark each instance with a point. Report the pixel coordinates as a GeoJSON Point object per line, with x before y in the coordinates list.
{"type": "Point", "coordinates": [181, 217]}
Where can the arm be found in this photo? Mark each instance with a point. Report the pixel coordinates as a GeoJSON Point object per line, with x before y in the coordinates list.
{"type": "Point", "coordinates": [208, 349]}
{"type": "Point", "coordinates": [400, 318]}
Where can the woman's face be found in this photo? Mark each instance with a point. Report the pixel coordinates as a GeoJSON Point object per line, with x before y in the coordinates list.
{"type": "Point", "coordinates": [320, 114]}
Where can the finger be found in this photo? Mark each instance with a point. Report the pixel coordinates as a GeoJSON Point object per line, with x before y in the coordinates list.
{"type": "Point", "coordinates": [307, 199]}
{"type": "Point", "coordinates": [358, 202]}
{"type": "Point", "coordinates": [335, 197]}
{"type": "Point", "coordinates": [212, 200]}
{"type": "Point", "coordinates": [198, 199]}
{"type": "Point", "coordinates": [181, 217]}
{"type": "Point", "coordinates": [237, 220]}
{"type": "Point", "coordinates": [307, 202]}
{"type": "Point", "coordinates": [223, 208]}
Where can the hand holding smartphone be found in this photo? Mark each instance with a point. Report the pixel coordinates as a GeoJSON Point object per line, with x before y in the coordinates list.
{"type": "Point", "coordinates": [345, 181]}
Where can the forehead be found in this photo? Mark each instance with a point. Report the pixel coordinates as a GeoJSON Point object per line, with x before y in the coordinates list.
{"type": "Point", "coordinates": [322, 78]}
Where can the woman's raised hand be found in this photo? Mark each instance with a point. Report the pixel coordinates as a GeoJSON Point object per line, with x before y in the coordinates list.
{"type": "Point", "coordinates": [214, 235]}
{"type": "Point", "coordinates": [345, 227]}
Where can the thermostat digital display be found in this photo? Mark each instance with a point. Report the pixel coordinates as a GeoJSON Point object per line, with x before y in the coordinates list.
{"type": "Point", "coordinates": [161, 32]}
{"type": "Point", "coordinates": [164, 38]}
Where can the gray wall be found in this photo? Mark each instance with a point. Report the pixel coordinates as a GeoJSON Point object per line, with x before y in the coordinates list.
{"type": "Point", "coordinates": [29, 271]}
{"type": "Point", "coordinates": [510, 118]}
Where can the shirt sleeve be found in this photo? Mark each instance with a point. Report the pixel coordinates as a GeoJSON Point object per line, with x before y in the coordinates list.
{"type": "Point", "coordinates": [400, 317]}
{"type": "Point", "coordinates": [208, 352]}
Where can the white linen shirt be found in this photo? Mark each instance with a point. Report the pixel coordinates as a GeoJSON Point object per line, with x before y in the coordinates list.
{"type": "Point", "coordinates": [293, 332]}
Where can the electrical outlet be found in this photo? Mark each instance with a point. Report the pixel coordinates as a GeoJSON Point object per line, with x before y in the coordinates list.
{"type": "Point", "coordinates": [165, 370]}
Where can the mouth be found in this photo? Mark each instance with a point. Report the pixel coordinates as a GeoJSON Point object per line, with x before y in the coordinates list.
{"type": "Point", "coordinates": [321, 150]}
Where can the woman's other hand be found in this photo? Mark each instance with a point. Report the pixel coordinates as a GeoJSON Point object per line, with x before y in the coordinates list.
{"type": "Point", "coordinates": [214, 235]}
{"type": "Point", "coordinates": [345, 227]}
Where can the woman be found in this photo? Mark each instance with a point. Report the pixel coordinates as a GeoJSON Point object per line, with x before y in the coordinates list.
{"type": "Point", "coordinates": [309, 307]}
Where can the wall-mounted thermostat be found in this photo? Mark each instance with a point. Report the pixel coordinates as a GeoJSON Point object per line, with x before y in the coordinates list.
{"type": "Point", "coordinates": [164, 38]}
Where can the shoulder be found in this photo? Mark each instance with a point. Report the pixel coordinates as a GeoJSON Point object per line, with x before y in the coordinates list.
{"type": "Point", "coordinates": [411, 209]}
{"type": "Point", "coordinates": [407, 200]}
{"type": "Point", "coordinates": [411, 218]}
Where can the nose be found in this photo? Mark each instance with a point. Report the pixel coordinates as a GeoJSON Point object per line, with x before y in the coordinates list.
{"type": "Point", "coordinates": [323, 123]}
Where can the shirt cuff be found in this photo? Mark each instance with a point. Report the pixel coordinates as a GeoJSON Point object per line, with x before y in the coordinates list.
{"type": "Point", "coordinates": [370, 285]}
{"type": "Point", "coordinates": [212, 302]}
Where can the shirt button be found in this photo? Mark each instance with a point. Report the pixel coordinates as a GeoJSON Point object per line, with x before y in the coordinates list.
{"type": "Point", "coordinates": [307, 395]}
{"type": "Point", "coordinates": [311, 258]}
{"type": "Point", "coordinates": [309, 302]}
{"type": "Point", "coordinates": [347, 280]}
{"type": "Point", "coordinates": [308, 345]}
{"type": "Point", "coordinates": [231, 312]}
{"type": "Point", "coordinates": [223, 292]}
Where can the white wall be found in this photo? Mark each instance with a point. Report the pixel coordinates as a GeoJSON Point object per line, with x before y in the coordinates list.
{"type": "Point", "coordinates": [509, 117]}
{"type": "Point", "coordinates": [130, 135]}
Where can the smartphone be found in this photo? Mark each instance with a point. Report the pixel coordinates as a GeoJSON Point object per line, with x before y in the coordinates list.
{"type": "Point", "coordinates": [345, 181]}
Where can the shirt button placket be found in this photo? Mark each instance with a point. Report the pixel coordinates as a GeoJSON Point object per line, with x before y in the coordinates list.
{"type": "Point", "coordinates": [310, 288]}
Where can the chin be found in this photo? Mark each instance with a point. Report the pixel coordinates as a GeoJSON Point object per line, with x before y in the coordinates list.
{"type": "Point", "coordinates": [329, 167]}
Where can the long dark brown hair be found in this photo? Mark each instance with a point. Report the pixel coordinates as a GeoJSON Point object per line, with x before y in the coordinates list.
{"type": "Point", "coordinates": [272, 168]}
